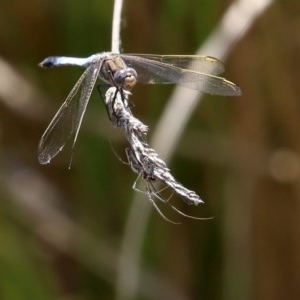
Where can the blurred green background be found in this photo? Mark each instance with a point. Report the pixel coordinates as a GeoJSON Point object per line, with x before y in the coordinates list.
{"type": "Point", "coordinates": [61, 229]}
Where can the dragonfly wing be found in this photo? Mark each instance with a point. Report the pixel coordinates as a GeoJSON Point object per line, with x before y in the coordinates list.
{"type": "Point", "coordinates": [67, 121]}
{"type": "Point", "coordinates": [154, 71]}
{"type": "Point", "coordinates": [198, 63]}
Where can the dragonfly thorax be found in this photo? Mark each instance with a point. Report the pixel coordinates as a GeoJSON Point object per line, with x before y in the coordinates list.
{"type": "Point", "coordinates": [115, 72]}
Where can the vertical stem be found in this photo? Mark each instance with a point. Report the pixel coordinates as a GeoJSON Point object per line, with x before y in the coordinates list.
{"type": "Point", "coordinates": [116, 26]}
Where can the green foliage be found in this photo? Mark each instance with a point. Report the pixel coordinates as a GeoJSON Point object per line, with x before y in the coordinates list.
{"type": "Point", "coordinates": [23, 274]}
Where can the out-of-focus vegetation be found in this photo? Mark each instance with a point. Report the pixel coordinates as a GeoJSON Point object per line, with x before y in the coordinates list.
{"type": "Point", "coordinates": [60, 229]}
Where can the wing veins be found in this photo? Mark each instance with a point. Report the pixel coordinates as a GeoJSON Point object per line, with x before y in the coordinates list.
{"type": "Point", "coordinates": [152, 71]}
{"type": "Point", "coordinates": [67, 120]}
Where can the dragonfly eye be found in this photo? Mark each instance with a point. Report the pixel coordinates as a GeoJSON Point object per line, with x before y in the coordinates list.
{"type": "Point", "coordinates": [131, 72]}
{"type": "Point", "coordinates": [125, 78]}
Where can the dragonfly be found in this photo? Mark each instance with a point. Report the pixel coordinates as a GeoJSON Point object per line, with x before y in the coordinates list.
{"type": "Point", "coordinates": [123, 71]}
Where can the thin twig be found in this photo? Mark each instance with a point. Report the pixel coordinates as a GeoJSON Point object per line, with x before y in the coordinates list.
{"type": "Point", "coordinates": [143, 159]}
{"type": "Point", "coordinates": [116, 26]}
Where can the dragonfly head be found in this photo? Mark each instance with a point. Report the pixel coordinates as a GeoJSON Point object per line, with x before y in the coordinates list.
{"type": "Point", "coordinates": [125, 78]}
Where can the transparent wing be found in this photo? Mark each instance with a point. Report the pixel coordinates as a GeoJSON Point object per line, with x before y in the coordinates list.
{"type": "Point", "coordinates": [188, 71]}
{"type": "Point", "coordinates": [66, 123]}
{"type": "Point", "coordinates": [198, 63]}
